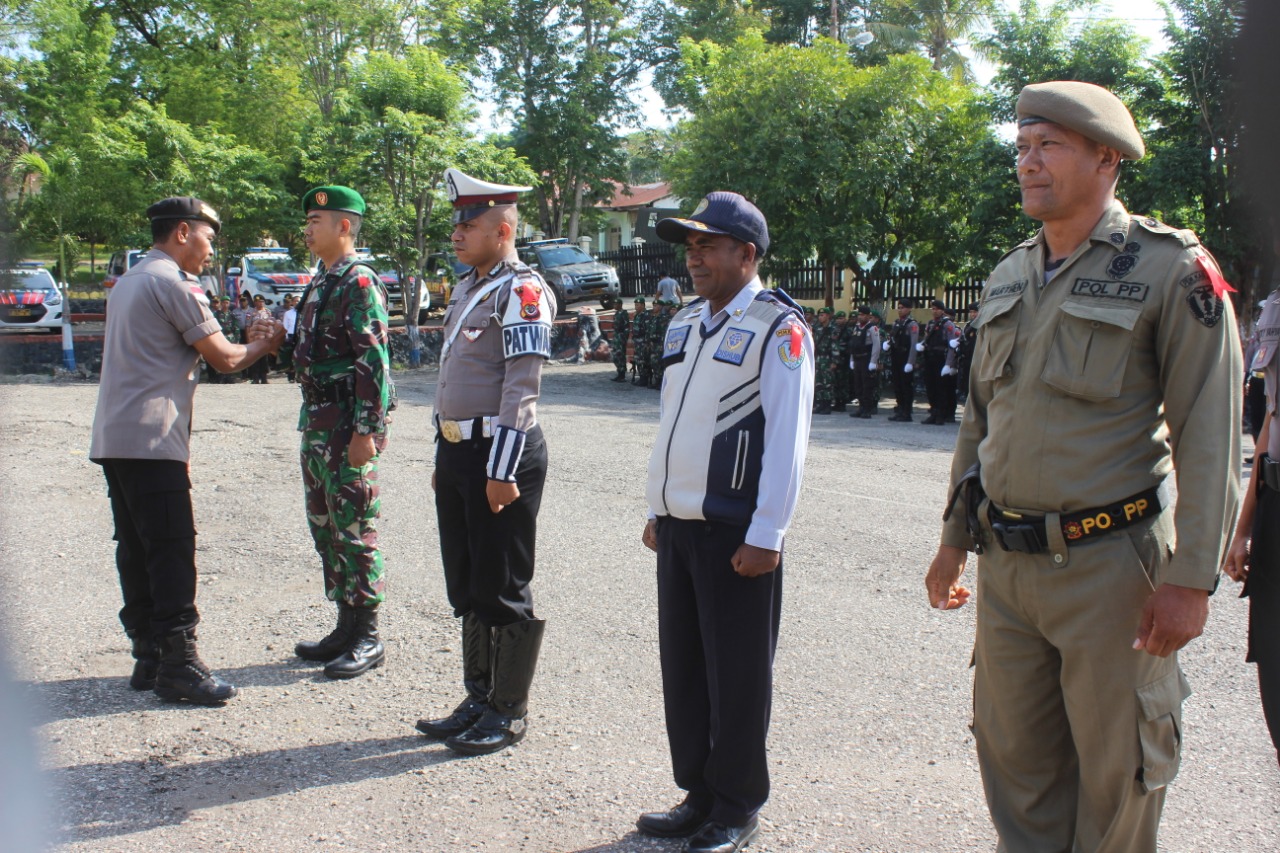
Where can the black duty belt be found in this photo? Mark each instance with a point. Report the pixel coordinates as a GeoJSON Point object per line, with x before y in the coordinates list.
{"type": "Point", "coordinates": [1270, 472]}
{"type": "Point", "coordinates": [1018, 532]}
{"type": "Point", "coordinates": [320, 395]}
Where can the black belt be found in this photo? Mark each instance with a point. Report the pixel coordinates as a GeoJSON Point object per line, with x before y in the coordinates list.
{"type": "Point", "coordinates": [1270, 472]}
{"type": "Point", "coordinates": [1016, 532]}
{"type": "Point", "coordinates": [319, 395]}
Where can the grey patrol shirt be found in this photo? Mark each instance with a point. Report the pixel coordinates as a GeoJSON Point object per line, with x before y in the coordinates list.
{"type": "Point", "coordinates": [149, 360]}
{"type": "Point", "coordinates": [1264, 359]}
{"type": "Point", "coordinates": [493, 367]}
{"type": "Point", "coordinates": [1086, 388]}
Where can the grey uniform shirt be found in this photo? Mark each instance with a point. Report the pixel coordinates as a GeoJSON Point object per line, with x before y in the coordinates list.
{"type": "Point", "coordinates": [476, 377]}
{"type": "Point", "coordinates": [149, 362]}
{"type": "Point", "coordinates": [1087, 388]}
{"type": "Point", "coordinates": [1264, 359]}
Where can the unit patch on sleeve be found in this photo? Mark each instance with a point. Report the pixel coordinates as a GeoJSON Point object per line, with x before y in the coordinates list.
{"type": "Point", "coordinates": [791, 350]}
{"type": "Point", "coordinates": [734, 345]}
{"type": "Point", "coordinates": [1205, 304]}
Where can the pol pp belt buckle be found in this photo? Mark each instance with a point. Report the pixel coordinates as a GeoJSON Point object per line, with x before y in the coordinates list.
{"type": "Point", "coordinates": [451, 431]}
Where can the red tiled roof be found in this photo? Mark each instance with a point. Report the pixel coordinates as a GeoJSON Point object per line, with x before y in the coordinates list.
{"type": "Point", "coordinates": [641, 195]}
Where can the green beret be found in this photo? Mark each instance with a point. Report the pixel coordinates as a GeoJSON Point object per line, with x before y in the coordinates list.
{"type": "Point", "coordinates": [1085, 108]}
{"type": "Point", "coordinates": [825, 309]}
{"type": "Point", "coordinates": [333, 198]}
{"type": "Point", "coordinates": [839, 314]}
{"type": "Point", "coordinates": [808, 309]}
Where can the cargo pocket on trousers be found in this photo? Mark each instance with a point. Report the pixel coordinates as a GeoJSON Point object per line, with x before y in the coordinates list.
{"type": "Point", "coordinates": [1160, 729]}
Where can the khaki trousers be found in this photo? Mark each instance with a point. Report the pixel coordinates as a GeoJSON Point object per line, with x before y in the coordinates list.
{"type": "Point", "coordinates": [1077, 733]}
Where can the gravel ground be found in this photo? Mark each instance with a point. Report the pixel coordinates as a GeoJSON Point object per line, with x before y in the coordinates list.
{"type": "Point", "coordinates": [870, 749]}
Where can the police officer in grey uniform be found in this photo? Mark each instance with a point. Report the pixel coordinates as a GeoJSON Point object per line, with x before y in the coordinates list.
{"type": "Point", "coordinates": [491, 463]}
{"type": "Point", "coordinates": [159, 328]}
{"type": "Point", "coordinates": [1106, 351]}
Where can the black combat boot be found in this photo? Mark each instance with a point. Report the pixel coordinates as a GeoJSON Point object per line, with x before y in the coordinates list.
{"type": "Point", "coordinates": [477, 678]}
{"type": "Point", "coordinates": [622, 375]}
{"type": "Point", "coordinates": [515, 655]}
{"type": "Point", "coordinates": [182, 675]}
{"type": "Point", "coordinates": [364, 652]}
{"type": "Point", "coordinates": [146, 660]}
{"type": "Point", "coordinates": [333, 645]}
{"type": "Point", "coordinates": [823, 409]}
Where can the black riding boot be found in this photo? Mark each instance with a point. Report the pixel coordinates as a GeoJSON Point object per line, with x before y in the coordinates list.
{"type": "Point", "coordinates": [515, 656]}
{"type": "Point", "coordinates": [182, 675]}
{"type": "Point", "coordinates": [364, 652]}
{"type": "Point", "coordinates": [333, 645]}
{"type": "Point", "coordinates": [477, 678]}
{"type": "Point", "coordinates": [146, 660]}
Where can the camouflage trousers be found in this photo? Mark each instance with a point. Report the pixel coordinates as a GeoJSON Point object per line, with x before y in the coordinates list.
{"type": "Point", "coordinates": [619, 348]}
{"type": "Point", "coordinates": [824, 380]}
{"type": "Point", "coordinates": [342, 512]}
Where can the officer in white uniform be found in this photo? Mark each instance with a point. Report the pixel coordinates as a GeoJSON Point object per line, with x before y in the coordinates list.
{"type": "Point", "coordinates": [737, 396]}
{"type": "Point", "coordinates": [491, 463]}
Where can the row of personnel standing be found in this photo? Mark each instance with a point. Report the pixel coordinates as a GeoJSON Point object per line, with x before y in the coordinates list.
{"type": "Point", "coordinates": [645, 331]}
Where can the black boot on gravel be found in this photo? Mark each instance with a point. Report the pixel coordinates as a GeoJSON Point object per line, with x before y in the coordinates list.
{"type": "Point", "coordinates": [477, 666]}
{"type": "Point", "coordinates": [146, 660]}
{"type": "Point", "coordinates": [333, 645]}
{"type": "Point", "coordinates": [183, 676]}
{"type": "Point", "coordinates": [364, 652]}
{"type": "Point", "coordinates": [515, 657]}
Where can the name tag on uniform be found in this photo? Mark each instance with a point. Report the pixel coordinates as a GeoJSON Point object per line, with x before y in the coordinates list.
{"type": "Point", "coordinates": [733, 346]}
{"type": "Point", "coordinates": [1005, 289]}
{"type": "Point", "coordinates": [1131, 290]}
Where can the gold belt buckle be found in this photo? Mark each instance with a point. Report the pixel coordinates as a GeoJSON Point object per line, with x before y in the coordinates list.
{"type": "Point", "coordinates": [451, 431]}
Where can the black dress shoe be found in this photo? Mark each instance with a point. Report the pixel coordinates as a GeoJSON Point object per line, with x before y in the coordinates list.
{"type": "Point", "coordinates": [679, 822]}
{"type": "Point", "coordinates": [715, 837]}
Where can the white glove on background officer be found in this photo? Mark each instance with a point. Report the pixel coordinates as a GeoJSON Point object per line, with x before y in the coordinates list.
{"type": "Point", "coordinates": [946, 371]}
{"type": "Point", "coordinates": [871, 365]}
{"type": "Point", "coordinates": [954, 343]}
{"type": "Point", "coordinates": [906, 368]}
{"type": "Point", "coordinates": [919, 347]}
{"type": "Point", "coordinates": [884, 347]}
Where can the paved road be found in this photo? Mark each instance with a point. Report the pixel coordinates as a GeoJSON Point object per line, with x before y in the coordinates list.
{"type": "Point", "coordinates": [870, 749]}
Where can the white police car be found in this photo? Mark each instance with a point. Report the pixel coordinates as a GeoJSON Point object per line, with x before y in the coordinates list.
{"type": "Point", "coordinates": [29, 298]}
{"type": "Point", "coordinates": [268, 272]}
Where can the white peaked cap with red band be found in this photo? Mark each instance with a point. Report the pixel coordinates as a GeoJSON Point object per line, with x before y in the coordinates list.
{"type": "Point", "coordinates": [471, 196]}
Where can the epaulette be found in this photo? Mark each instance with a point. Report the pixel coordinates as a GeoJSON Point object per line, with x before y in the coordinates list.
{"type": "Point", "coordinates": [687, 309]}
{"type": "Point", "coordinates": [1025, 244]}
{"type": "Point", "coordinates": [781, 300]}
{"type": "Point", "coordinates": [1185, 236]}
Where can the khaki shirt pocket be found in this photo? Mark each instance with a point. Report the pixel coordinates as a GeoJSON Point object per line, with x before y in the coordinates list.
{"type": "Point", "coordinates": [1091, 347]}
{"type": "Point", "coordinates": [997, 324]}
{"type": "Point", "coordinates": [1160, 728]}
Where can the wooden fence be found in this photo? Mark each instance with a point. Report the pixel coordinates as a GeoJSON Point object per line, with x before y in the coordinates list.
{"type": "Point", "coordinates": [640, 267]}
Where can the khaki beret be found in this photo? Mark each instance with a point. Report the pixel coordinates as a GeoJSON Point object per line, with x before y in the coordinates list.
{"type": "Point", "coordinates": [1085, 108]}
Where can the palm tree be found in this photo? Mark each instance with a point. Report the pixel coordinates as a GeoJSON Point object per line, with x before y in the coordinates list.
{"type": "Point", "coordinates": [937, 27]}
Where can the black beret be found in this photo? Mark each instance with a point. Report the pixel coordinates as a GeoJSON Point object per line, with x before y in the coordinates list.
{"type": "Point", "coordinates": [938, 303]}
{"type": "Point", "coordinates": [185, 208]}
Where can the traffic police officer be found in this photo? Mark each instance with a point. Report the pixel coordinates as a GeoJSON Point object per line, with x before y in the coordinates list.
{"type": "Point", "coordinates": [901, 347]}
{"type": "Point", "coordinates": [343, 368]}
{"type": "Point", "coordinates": [491, 463]}
{"type": "Point", "coordinates": [159, 327]}
{"type": "Point", "coordinates": [1106, 360]}
{"type": "Point", "coordinates": [723, 479]}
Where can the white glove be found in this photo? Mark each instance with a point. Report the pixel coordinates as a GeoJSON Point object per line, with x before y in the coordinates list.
{"type": "Point", "coordinates": [946, 371]}
{"type": "Point", "coordinates": [954, 343]}
{"type": "Point", "coordinates": [906, 368]}
{"type": "Point", "coordinates": [919, 347]}
{"type": "Point", "coordinates": [871, 366]}
{"type": "Point", "coordinates": [884, 347]}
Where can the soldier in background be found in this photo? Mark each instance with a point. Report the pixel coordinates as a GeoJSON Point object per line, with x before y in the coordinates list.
{"type": "Point", "coordinates": [826, 352]}
{"type": "Point", "coordinates": [344, 369]}
{"type": "Point", "coordinates": [864, 357]}
{"type": "Point", "coordinates": [901, 346]}
{"type": "Point", "coordinates": [964, 353]}
{"type": "Point", "coordinates": [843, 390]}
{"type": "Point", "coordinates": [657, 334]}
{"type": "Point", "coordinates": [941, 339]}
{"type": "Point", "coordinates": [618, 346]}
{"type": "Point", "coordinates": [640, 343]}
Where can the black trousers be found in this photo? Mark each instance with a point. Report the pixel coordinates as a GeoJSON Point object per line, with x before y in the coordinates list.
{"type": "Point", "coordinates": [904, 385]}
{"type": "Point", "coordinates": [155, 544]}
{"type": "Point", "coordinates": [941, 390]}
{"type": "Point", "coordinates": [717, 632]}
{"type": "Point", "coordinates": [488, 559]}
{"type": "Point", "coordinates": [864, 383]}
{"type": "Point", "coordinates": [1263, 590]}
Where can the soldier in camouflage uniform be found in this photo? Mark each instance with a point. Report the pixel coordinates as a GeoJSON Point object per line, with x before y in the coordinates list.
{"type": "Point", "coordinates": [230, 330]}
{"type": "Point", "coordinates": [658, 321]}
{"type": "Point", "coordinates": [621, 331]}
{"type": "Point", "coordinates": [344, 370]}
{"type": "Point", "coordinates": [826, 352]}
{"type": "Point", "coordinates": [640, 343]}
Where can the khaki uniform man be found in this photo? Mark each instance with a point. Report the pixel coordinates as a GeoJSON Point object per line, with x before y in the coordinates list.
{"type": "Point", "coordinates": [1105, 351]}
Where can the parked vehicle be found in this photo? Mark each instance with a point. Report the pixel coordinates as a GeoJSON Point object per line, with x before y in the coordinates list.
{"type": "Point", "coordinates": [121, 262]}
{"type": "Point", "coordinates": [29, 298]}
{"type": "Point", "coordinates": [268, 272]}
{"type": "Point", "coordinates": [442, 273]}
{"type": "Point", "coordinates": [574, 276]}
{"type": "Point", "coordinates": [386, 269]}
